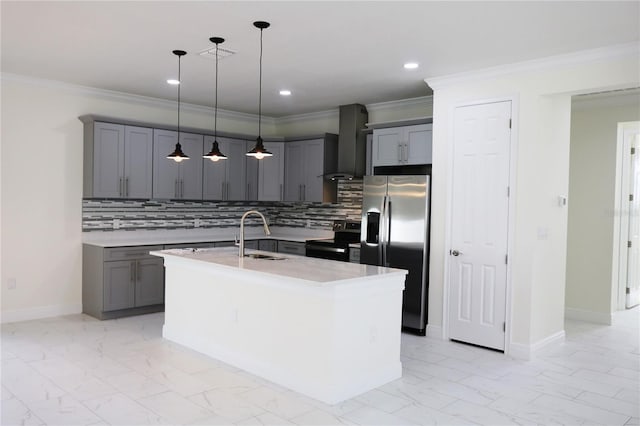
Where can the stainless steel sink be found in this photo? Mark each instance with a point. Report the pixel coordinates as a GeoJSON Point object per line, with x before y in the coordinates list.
{"type": "Point", "coordinates": [264, 256]}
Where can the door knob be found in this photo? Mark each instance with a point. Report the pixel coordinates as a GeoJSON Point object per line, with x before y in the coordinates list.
{"type": "Point", "coordinates": [456, 252]}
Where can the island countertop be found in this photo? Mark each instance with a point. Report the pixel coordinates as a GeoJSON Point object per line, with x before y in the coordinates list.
{"type": "Point", "coordinates": [303, 270]}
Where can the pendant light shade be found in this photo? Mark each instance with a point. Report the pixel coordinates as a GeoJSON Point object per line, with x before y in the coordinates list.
{"type": "Point", "coordinates": [259, 150]}
{"type": "Point", "coordinates": [215, 154]}
{"type": "Point", "coordinates": [177, 155]}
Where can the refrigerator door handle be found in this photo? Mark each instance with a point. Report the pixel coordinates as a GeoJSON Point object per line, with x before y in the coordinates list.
{"type": "Point", "coordinates": [385, 223]}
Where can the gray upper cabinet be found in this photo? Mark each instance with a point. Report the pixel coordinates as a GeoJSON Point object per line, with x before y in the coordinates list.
{"type": "Point", "coordinates": [181, 180]}
{"type": "Point", "coordinates": [271, 173]}
{"type": "Point", "coordinates": [306, 163]}
{"type": "Point", "coordinates": [225, 179]}
{"type": "Point", "coordinates": [117, 161]}
{"type": "Point", "coordinates": [406, 145]}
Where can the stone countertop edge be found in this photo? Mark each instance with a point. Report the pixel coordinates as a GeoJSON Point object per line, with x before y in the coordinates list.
{"type": "Point", "coordinates": [309, 271]}
{"type": "Point", "coordinates": [158, 237]}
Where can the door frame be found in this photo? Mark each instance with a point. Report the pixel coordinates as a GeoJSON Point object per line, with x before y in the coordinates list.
{"type": "Point", "coordinates": [621, 222]}
{"type": "Point", "coordinates": [514, 99]}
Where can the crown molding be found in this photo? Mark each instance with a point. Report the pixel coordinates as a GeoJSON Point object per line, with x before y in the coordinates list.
{"type": "Point", "coordinates": [400, 103]}
{"type": "Point", "coordinates": [319, 115]}
{"type": "Point", "coordinates": [114, 95]}
{"type": "Point", "coordinates": [583, 56]}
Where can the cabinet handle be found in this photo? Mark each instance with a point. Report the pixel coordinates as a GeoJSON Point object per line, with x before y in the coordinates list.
{"type": "Point", "coordinates": [133, 272]}
{"type": "Point", "coordinates": [406, 152]}
{"type": "Point", "coordinates": [400, 152]}
{"type": "Point", "coordinates": [137, 271]}
{"type": "Point", "coordinates": [304, 192]}
{"type": "Point", "coordinates": [228, 189]}
{"type": "Point", "coordinates": [248, 194]}
{"type": "Point", "coordinates": [120, 188]}
{"type": "Point", "coordinates": [175, 188]}
{"type": "Point", "coordinates": [299, 192]}
{"type": "Point", "coordinates": [222, 190]}
{"type": "Point", "coordinates": [281, 193]}
{"type": "Point", "coordinates": [181, 188]}
{"type": "Point", "coordinates": [126, 187]}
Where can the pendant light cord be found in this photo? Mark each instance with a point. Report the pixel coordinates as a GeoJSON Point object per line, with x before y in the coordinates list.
{"type": "Point", "coordinates": [260, 90]}
{"type": "Point", "coordinates": [215, 114]}
{"type": "Point", "coordinates": [179, 84]}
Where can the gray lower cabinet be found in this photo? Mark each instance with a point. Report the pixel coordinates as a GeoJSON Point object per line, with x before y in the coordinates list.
{"type": "Point", "coordinates": [121, 281]}
{"type": "Point", "coordinates": [268, 245]}
{"type": "Point", "coordinates": [291, 247]}
{"type": "Point", "coordinates": [354, 255]}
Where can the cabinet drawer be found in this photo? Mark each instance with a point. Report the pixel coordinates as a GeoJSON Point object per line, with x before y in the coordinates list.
{"type": "Point", "coordinates": [268, 245]}
{"type": "Point", "coordinates": [291, 247]}
{"type": "Point", "coordinates": [127, 253]}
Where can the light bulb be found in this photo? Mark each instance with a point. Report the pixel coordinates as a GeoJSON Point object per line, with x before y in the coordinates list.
{"type": "Point", "coordinates": [178, 159]}
{"type": "Point", "coordinates": [214, 158]}
{"type": "Point", "coordinates": [259, 156]}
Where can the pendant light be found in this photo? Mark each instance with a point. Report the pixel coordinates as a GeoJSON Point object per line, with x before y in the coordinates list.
{"type": "Point", "coordinates": [259, 151]}
{"type": "Point", "coordinates": [215, 154]}
{"type": "Point", "coordinates": [178, 155]}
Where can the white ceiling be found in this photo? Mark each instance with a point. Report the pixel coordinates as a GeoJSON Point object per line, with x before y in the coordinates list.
{"type": "Point", "coordinates": [326, 53]}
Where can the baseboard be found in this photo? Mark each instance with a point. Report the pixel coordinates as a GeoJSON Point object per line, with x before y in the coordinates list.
{"type": "Point", "coordinates": [588, 316]}
{"type": "Point", "coordinates": [16, 315]}
{"type": "Point", "coordinates": [526, 352]}
{"type": "Point", "coordinates": [435, 331]}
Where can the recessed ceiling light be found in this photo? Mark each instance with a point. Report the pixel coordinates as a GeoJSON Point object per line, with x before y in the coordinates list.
{"type": "Point", "coordinates": [173, 81]}
{"type": "Point", "coordinates": [285, 92]}
{"type": "Point", "coordinates": [411, 65]}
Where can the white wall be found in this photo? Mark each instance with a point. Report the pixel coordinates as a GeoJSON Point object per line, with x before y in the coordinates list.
{"type": "Point", "coordinates": [542, 92]}
{"type": "Point", "coordinates": [42, 185]}
{"type": "Point", "coordinates": [592, 175]}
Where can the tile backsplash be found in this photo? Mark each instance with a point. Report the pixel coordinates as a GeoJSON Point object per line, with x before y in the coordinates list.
{"type": "Point", "coordinates": [111, 214]}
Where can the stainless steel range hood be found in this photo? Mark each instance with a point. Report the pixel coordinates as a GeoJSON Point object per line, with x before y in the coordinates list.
{"type": "Point", "coordinates": [352, 142]}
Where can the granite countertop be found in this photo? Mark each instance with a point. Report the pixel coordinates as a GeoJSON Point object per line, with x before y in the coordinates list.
{"type": "Point", "coordinates": [200, 235]}
{"type": "Point", "coordinates": [299, 269]}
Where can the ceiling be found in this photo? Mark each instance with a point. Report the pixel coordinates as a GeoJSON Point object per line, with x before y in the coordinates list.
{"type": "Point", "coordinates": [326, 53]}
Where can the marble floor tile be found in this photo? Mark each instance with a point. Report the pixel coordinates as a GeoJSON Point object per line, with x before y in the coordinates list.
{"type": "Point", "coordinates": [175, 408]}
{"type": "Point", "coordinates": [119, 409]}
{"type": "Point", "coordinates": [77, 370]}
{"type": "Point", "coordinates": [63, 411]}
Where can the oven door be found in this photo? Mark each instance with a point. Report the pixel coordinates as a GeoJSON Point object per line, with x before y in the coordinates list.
{"type": "Point", "coordinates": [327, 251]}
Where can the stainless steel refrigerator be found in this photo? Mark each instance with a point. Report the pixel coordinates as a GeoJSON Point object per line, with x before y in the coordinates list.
{"type": "Point", "coordinates": [395, 233]}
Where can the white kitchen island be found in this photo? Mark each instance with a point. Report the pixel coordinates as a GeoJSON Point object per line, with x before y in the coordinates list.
{"type": "Point", "coordinates": [329, 330]}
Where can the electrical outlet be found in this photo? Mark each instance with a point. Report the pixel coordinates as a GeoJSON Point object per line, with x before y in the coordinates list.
{"type": "Point", "coordinates": [196, 223]}
{"type": "Point", "coordinates": [116, 223]}
{"type": "Point", "coordinates": [11, 283]}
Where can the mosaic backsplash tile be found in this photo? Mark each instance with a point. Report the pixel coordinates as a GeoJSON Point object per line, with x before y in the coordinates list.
{"type": "Point", "coordinates": [107, 215]}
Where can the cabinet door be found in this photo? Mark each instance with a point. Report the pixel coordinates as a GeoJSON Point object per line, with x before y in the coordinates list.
{"type": "Point", "coordinates": [190, 185]}
{"type": "Point", "coordinates": [138, 162]}
{"type": "Point", "coordinates": [108, 160]}
{"type": "Point", "coordinates": [165, 171]}
{"type": "Point", "coordinates": [268, 245]}
{"type": "Point", "coordinates": [291, 247]}
{"type": "Point", "coordinates": [251, 165]}
{"type": "Point", "coordinates": [119, 285]}
{"type": "Point", "coordinates": [386, 147]}
{"type": "Point", "coordinates": [236, 170]}
{"type": "Point", "coordinates": [417, 141]}
{"type": "Point", "coordinates": [313, 170]}
{"type": "Point", "coordinates": [214, 173]}
{"type": "Point", "coordinates": [271, 173]}
{"type": "Point", "coordinates": [294, 164]}
{"type": "Point", "coordinates": [149, 282]}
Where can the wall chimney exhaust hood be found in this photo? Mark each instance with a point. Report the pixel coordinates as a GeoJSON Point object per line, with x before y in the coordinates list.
{"type": "Point", "coordinates": [352, 142]}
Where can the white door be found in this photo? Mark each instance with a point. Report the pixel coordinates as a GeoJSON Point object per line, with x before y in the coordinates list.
{"type": "Point", "coordinates": [633, 255]}
{"type": "Point", "coordinates": [480, 208]}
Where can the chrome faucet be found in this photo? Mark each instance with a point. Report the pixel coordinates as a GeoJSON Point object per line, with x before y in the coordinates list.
{"type": "Point", "coordinates": [267, 232]}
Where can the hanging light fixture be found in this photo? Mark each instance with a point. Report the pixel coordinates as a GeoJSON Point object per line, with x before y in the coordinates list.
{"type": "Point", "coordinates": [259, 151]}
{"type": "Point", "coordinates": [215, 154]}
{"type": "Point", "coordinates": [177, 155]}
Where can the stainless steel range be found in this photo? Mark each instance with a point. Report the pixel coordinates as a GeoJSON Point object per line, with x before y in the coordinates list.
{"type": "Point", "coordinates": [336, 248]}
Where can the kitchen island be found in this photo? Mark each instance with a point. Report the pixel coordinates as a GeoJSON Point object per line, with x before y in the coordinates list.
{"type": "Point", "coordinates": [329, 330]}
